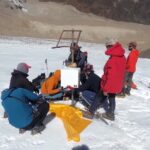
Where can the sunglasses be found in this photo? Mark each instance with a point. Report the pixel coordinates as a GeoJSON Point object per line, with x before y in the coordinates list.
{"type": "Point", "coordinates": [130, 46]}
{"type": "Point", "coordinates": [108, 46]}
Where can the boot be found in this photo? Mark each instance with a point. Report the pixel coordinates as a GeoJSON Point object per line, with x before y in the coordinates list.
{"type": "Point", "coordinates": [66, 98]}
{"type": "Point", "coordinates": [121, 95]}
{"type": "Point", "coordinates": [109, 116]}
{"type": "Point", "coordinates": [127, 92]}
{"type": "Point", "coordinates": [5, 115]}
{"type": "Point", "coordinates": [21, 131]}
{"type": "Point", "coordinates": [37, 129]}
{"type": "Point", "coordinates": [87, 114]}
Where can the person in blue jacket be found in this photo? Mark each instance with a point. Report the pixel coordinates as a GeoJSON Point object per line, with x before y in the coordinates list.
{"type": "Point", "coordinates": [18, 104]}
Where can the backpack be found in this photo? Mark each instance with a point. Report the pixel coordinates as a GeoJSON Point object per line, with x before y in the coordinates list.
{"type": "Point", "coordinates": [37, 81]}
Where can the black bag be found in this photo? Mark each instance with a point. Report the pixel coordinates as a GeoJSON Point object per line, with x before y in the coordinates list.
{"type": "Point", "coordinates": [37, 81]}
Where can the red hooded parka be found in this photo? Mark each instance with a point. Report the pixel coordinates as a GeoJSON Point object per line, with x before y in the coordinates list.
{"type": "Point", "coordinates": [114, 70]}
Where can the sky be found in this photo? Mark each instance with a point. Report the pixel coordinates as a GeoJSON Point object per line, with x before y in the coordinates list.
{"type": "Point", "coordinates": [130, 130]}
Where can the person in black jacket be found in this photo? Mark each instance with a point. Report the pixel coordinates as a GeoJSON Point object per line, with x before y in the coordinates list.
{"type": "Point", "coordinates": [33, 103]}
{"type": "Point", "coordinates": [90, 88]}
{"type": "Point", "coordinates": [92, 82]}
{"type": "Point", "coordinates": [90, 93]}
{"type": "Point", "coordinates": [19, 78]}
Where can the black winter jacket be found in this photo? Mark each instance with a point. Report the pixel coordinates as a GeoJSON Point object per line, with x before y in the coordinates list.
{"type": "Point", "coordinates": [19, 80]}
{"type": "Point", "coordinates": [80, 59]}
{"type": "Point", "coordinates": [91, 84]}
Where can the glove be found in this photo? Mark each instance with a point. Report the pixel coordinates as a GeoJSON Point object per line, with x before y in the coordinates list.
{"type": "Point", "coordinates": [105, 93]}
{"type": "Point", "coordinates": [40, 101]}
{"type": "Point", "coordinates": [61, 88]}
{"type": "Point", "coordinates": [36, 90]}
{"type": "Point", "coordinates": [40, 96]}
{"type": "Point", "coordinates": [72, 65]}
{"type": "Point", "coordinates": [70, 88]}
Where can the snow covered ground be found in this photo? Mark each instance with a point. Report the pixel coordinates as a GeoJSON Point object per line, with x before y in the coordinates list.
{"type": "Point", "coordinates": [131, 129]}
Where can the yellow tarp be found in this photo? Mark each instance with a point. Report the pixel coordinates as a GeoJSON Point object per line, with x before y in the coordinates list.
{"type": "Point", "coordinates": [72, 119]}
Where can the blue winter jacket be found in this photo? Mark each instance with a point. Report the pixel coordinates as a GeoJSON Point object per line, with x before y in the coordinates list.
{"type": "Point", "coordinates": [16, 105]}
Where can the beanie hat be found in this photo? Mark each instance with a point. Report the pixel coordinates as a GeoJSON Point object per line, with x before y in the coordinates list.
{"type": "Point", "coordinates": [75, 45]}
{"type": "Point", "coordinates": [88, 68]}
{"type": "Point", "coordinates": [23, 67]}
{"type": "Point", "coordinates": [133, 44]}
{"type": "Point", "coordinates": [110, 41]}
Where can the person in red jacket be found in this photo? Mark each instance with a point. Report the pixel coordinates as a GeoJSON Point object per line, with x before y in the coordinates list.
{"type": "Point", "coordinates": [113, 77]}
{"type": "Point", "coordinates": [130, 67]}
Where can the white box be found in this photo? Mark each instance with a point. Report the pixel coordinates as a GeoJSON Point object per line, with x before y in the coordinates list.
{"type": "Point", "coordinates": [70, 76]}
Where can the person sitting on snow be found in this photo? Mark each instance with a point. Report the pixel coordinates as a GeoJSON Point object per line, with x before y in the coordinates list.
{"type": "Point", "coordinates": [51, 87]}
{"type": "Point", "coordinates": [77, 58]}
{"type": "Point", "coordinates": [19, 101]}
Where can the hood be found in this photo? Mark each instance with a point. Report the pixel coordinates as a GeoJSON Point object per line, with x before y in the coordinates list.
{"type": "Point", "coordinates": [136, 52]}
{"type": "Point", "coordinates": [16, 73]}
{"type": "Point", "coordinates": [116, 50]}
{"type": "Point", "coordinates": [57, 74]}
{"type": "Point", "coordinates": [5, 94]}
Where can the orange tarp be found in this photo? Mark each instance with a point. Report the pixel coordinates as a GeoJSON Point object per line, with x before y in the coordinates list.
{"type": "Point", "coordinates": [72, 118]}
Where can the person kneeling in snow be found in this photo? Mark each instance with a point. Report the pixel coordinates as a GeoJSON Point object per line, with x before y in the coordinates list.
{"type": "Point", "coordinates": [19, 99]}
{"type": "Point", "coordinates": [25, 109]}
{"type": "Point", "coordinates": [51, 87]}
{"type": "Point", "coordinates": [19, 79]}
{"type": "Point", "coordinates": [89, 90]}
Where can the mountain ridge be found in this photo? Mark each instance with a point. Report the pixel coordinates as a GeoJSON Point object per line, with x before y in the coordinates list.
{"type": "Point", "coordinates": [48, 19]}
{"type": "Point", "coordinates": [120, 10]}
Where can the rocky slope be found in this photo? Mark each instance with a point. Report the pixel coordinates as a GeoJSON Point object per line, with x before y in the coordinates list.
{"type": "Point", "coordinates": [121, 10]}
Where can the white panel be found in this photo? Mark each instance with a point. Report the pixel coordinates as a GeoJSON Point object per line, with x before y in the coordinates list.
{"type": "Point", "coordinates": [70, 76]}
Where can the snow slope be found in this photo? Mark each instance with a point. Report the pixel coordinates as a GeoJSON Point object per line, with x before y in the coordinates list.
{"type": "Point", "coordinates": [131, 129]}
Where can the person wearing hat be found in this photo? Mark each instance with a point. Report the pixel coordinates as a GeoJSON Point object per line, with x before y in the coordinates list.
{"type": "Point", "coordinates": [90, 88]}
{"type": "Point", "coordinates": [19, 78]}
{"type": "Point", "coordinates": [25, 109]}
{"type": "Point", "coordinates": [92, 80]}
{"type": "Point", "coordinates": [113, 76]}
{"type": "Point", "coordinates": [130, 67]}
{"type": "Point", "coordinates": [77, 58]}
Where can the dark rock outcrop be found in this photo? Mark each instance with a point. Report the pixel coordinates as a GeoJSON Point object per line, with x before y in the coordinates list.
{"type": "Point", "coordinates": [121, 10]}
{"type": "Point", "coordinates": [145, 54]}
